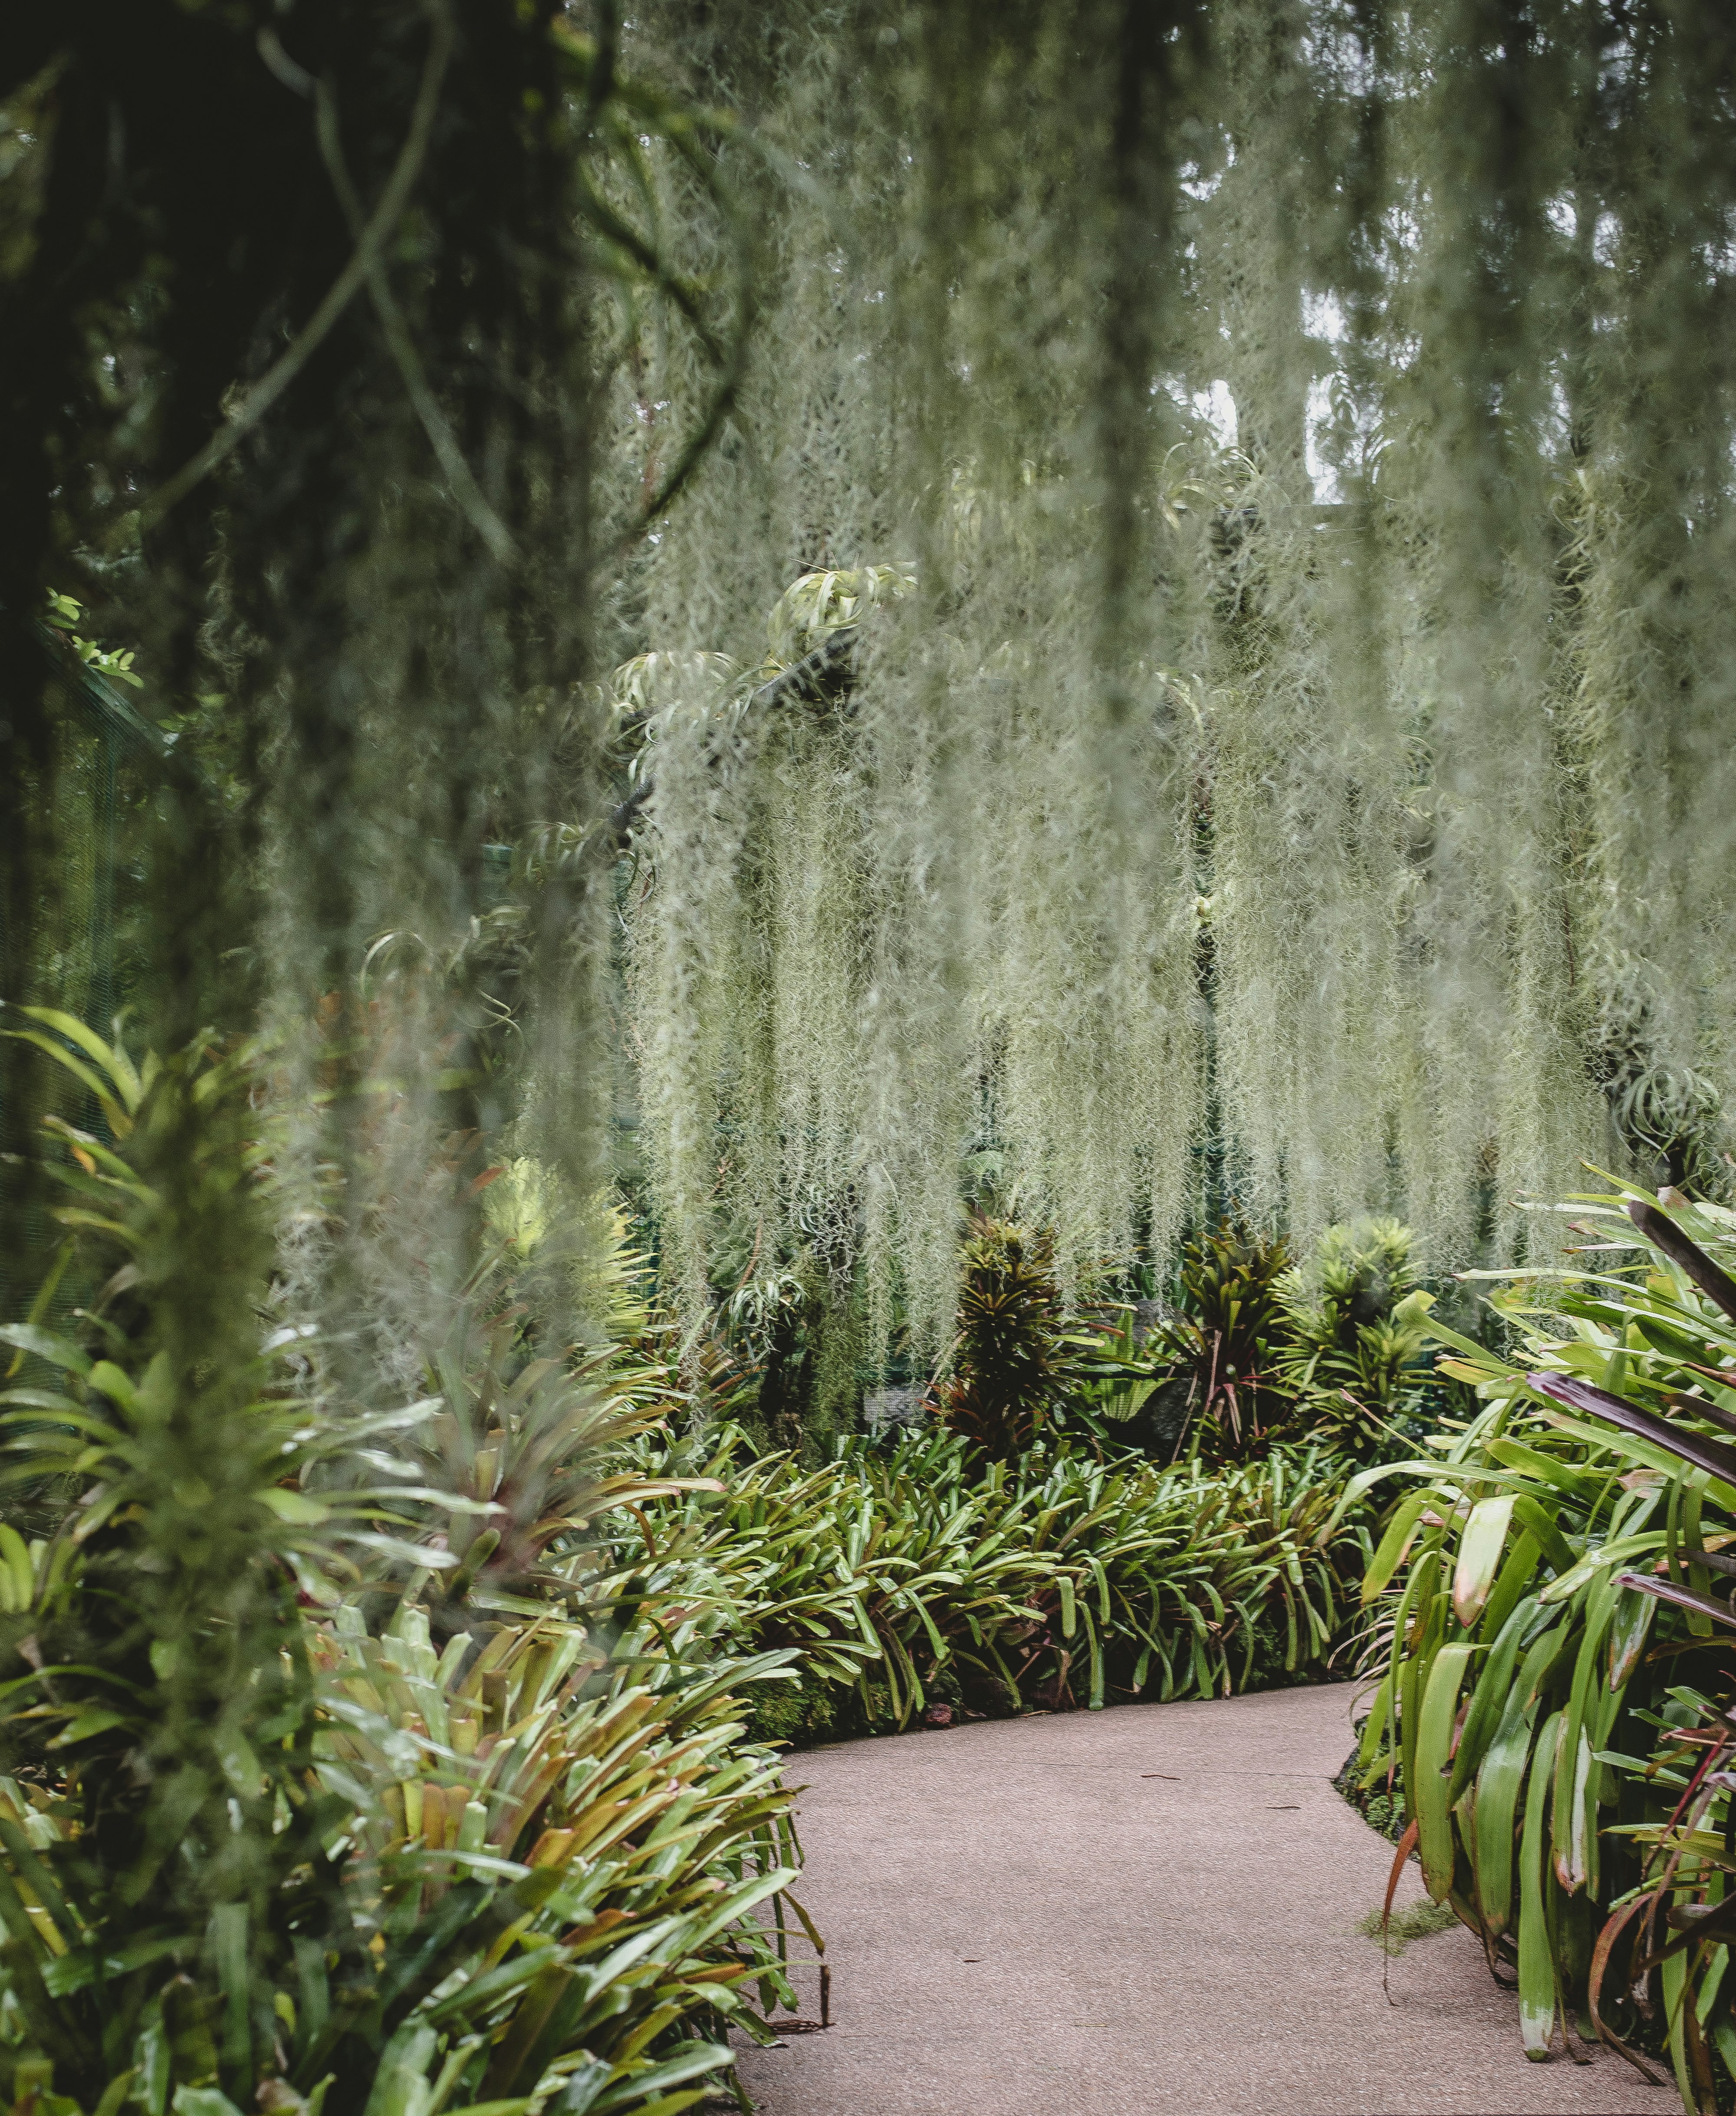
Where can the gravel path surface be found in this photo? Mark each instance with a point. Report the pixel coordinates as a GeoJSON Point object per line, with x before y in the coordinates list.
{"type": "Point", "coordinates": [1135, 1912]}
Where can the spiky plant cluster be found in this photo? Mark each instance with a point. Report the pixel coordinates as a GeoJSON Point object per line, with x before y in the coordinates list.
{"type": "Point", "coordinates": [1216, 1357]}
{"type": "Point", "coordinates": [1308, 428]}
{"type": "Point", "coordinates": [1010, 1362]}
{"type": "Point", "coordinates": [1357, 1335]}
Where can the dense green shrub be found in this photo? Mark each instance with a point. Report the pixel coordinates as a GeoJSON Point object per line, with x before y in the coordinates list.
{"type": "Point", "coordinates": [1554, 1710]}
{"type": "Point", "coordinates": [905, 1578]}
{"type": "Point", "coordinates": [1332, 1350]}
{"type": "Point", "coordinates": [262, 1830]}
{"type": "Point", "coordinates": [1354, 1339]}
{"type": "Point", "coordinates": [1216, 1356]}
{"type": "Point", "coordinates": [1010, 1362]}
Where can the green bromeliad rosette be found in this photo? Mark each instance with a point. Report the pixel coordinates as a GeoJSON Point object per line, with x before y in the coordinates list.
{"type": "Point", "coordinates": [903, 1582]}
{"type": "Point", "coordinates": [342, 1771]}
{"type": "Point", "coordinates": [1547, 1598]}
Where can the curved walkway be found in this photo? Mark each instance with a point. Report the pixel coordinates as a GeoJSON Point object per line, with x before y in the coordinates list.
{"type": "Point", "coordinates": [1145, 1911]}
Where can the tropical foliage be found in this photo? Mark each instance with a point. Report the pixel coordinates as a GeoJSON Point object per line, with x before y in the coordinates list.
{"type": "Point", "coordinates": [1256, 548]}
{"type": "Point", "coordinates": [1356, 1336]}
{"type": "Point", "coordinates": [1167, 578]}
{"type": "Point", "coordinates": [262, 1829]}
{"type": "Point", "coordinates": [421, 1751]}
{"type": "Point", "coordinates": [1553, 1701]}
{"type": "Point", "coordinates": [1333, 1351]}
{"type": "Point", "coordinates": [913, 1574]}
{"type": "Point", "coordinates": [1221, 1343]}
{"type": "Point", "coordinates": [1010, 1364]}
{"type": "Point", "coordinates": [1281, 753]}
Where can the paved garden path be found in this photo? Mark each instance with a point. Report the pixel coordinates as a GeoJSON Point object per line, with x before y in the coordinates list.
{"type": "Point", "coordinates": [1145, 1911]}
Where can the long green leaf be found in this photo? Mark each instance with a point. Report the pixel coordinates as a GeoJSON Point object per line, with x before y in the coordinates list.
{"type": "Point", "coordinates": [1384, 1563]}
{"type": "Point", "coordinates": [1512, 1585]}
{"type": "Point", "coordinates": [1541, 1523]}
{"type": "Point", "coordinates": [1433, 1768]}
{"type": "Point", "coordinates": [58, 1351]}
{"type": "Point", "coordinates": [1499, 1780]}
{"type": "Point", "coordinates": [1629, 1631]}
{"type": "Point", "coordinates": [1716, 1456]}
{"type": "Point", "coordinates": [1537, 1992]}
{"type": "Point", "coordinates": [1488, 1698]}
{"type": "Point", "coordinates": [110, 1056]}
{"type": "Point", "coordinates": [1480, 1548]}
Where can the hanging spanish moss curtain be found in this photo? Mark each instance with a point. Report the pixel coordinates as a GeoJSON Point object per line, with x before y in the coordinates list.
{"type": "Point", "coordinates": [1272, 463]}
{"type": "Point", "coordinates": [1306, 430]}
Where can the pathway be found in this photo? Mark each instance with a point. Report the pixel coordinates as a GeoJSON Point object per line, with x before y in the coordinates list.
{"type": "Point", "coordinates": [1146, 1912]}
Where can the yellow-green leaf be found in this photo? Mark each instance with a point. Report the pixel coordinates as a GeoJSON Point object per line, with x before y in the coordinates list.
{"type": "Point", "coordinates": [1479, 1555]}
{"type": "Point", "coordinates": [294, 1508]}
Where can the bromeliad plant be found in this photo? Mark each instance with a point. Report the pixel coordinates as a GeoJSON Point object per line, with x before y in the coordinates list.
{"type": "Point", "coordinates": [1352, 1349]}
{"type": "Point", "coordinates": [1117, 1382]}
{"type": "Point", "coordinates": [1010, 1363]}
{"type": "Point", "coordinates": [557, 1847]}
{"type": "Point", "coordinates": [157, 1679]}
{"type": "Point", "coordinates": [905, 1574]}
{"type": "Point", "coordinates": [248, 1847]}
{"type": "Point", "coordinates": [1557, 1642]}
{"type": "Point", "coordinates": [526, 1443]}
{"type": "Point", "coordinates": [1217, 1353]}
